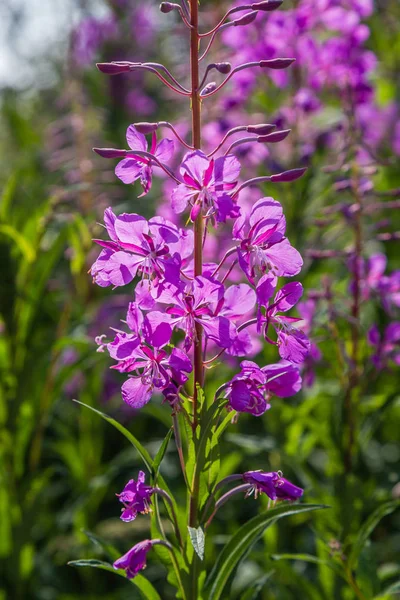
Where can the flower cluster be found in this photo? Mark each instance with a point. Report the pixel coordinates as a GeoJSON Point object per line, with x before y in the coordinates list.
{"type": "Point", "coordinates": [170, 302]}
{"type": "Point", "coordinates": [192, 303]}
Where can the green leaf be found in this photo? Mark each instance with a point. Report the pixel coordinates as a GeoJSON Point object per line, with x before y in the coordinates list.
{"type": "Point", "coordinates": [198, 540]}
{"type": "Point", "coordinates": [7, 196]}
{"type": "Point", "coordinates": [24, 246]}
{"type": "Point", "coordinates": [160, 454]}
{"type": "Point", "coordinates": [242, 542]}
{"type": "Point", "coordinates": [112, 552]}
{"type": "Point", "coordinates": [368, 527]}
{"type": "Point", "coordinates": [253, 591]}
{"type": "Point", "coordinates": [311, 559]}
{"type": "Point", "coordinates": [146, 588]}
{"type": "Point", "coordinates": [145, 456]}
{"type": "Point", "coordinates": [394, 588]}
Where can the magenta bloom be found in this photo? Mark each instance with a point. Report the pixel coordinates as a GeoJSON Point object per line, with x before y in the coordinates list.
{"type": "Point", "coordinates": [135, 497]}
{"type": "Point", "coordinates": [387, 348]}
{"type": "Point", "coordinates": [153, 249]}
{"type": "Point", "coordinates": [134, 560]}
{"type": "Point", "coordinates": [389, 289]}
{"type": "Point", "coordinates": [307, 312]}
{"type": "Point", "coordinates": [273, 485]}
{"type": "Point", "coordinates": [140, 167]}
{"type": "Point", "coordinates": [293, 344]}
{"type": "Point", "coordinates": [200, 303]}
{"type": "Point", "coordinates": [206, 184]}
{"type": "Point", "coordinates": [238, 301]}
{"type": "Point", "coordinates": [153, 371]}
{"type": "Point", "coordinates": [264, 248]}
{"type": "Point", "coordinates": [251, 389]}
{"type": "Point", "coordinates": [283, 379]}
{"type": "Point", "coordinates": [247, 390]}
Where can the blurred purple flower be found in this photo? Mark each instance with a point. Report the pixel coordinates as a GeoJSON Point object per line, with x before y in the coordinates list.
{"type": "Point", "coordinates": [387, 349]}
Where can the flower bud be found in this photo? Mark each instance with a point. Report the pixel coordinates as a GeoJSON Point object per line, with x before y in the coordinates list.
{"type": "Point", "coordinates": [210, 87]}
{"type": "Point", "coordinates": [263, 129]}
{"type": "Point", "coordinates": [114, 68]}
{"type": "Point", "coordinates": [246, 19]}
{"type": "Point", "coordinates": [110, 152]}
{"type": "Point", "coordinates": [277, 63]}
{"type": "Point", "coordinates": [288, 176]}
{"type": "Point", "coordinates": [223, 67]}
{"type": "Point", "coordinates": [167, 7]}
{"type": "Point", "coordinates": [268, 5]}
{"type": "Point", "coordinates": [146, 128]}
{"type": "Point", "coordinates": [275, 137]}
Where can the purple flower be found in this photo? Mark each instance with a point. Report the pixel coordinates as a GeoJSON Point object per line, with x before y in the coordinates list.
{"type": "Point", "coordinates": [247, 390]}
{"type": "Point", "coordinates": [307, 311]}
{"type": "Point", "coordinates": [251, 389]}
{"type": "Point", "coordinates": [88, 37]}
{"type": "Point", "coordinates": [153, 371]}
{"type": "Point", "coordinates": [293, 344]}
{"type": "Point", "coordinates": [238, 301]}
{"type": "Point", "coordinates": [283, 379]}
{"type": "Point", "coordinates": [134, 560]}
{"type": "Point", "coordinates": [274, 485]}
{"type": "Point", "coordinates": [387, 348]}
{"type": "Point", "coordinates": [200, 303]}
{"type": "Point", "coordinates": [205, 186]}
{"type": "Point", "coordinates": [389, 290]}
{"type": "Point", "coordinates": [137, 166]}
{"type": "Point", "coordinates": [264, 248]}
{"type": "Point", "coordinates": [135, 497]}
{"type": "Point", "coordinates": [153, 249]}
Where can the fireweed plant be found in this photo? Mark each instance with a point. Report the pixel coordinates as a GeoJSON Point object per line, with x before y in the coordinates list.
{"type": "Point", "coordinates": [187, 314]}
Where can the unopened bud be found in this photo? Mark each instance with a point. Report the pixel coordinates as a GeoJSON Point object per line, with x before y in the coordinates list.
{"type": "Point", "coordinates": [110, 152]}
{"type": "Point", "coordinates": [114, 68]}
{"type": "Point", "coordinates": [223, 67]}
{"type": "Point", "coordinates": [288, 176]}
{"type": "Point", "coordinates": [268, 5]}
{"type": "Point", "coordinates": [277, 63]}
{"type": "Point", "coordinates": [146, 128]}
{"type": "Point", "coordinates": [210, 87]}
{"type": "Point", "coordinates": [246, 19]}
{"type": "Point", "coordinates": [275, 137]}
{"type": "Point", "coordinates": [263, 129]}
{"type": "Point", "coordinates": [167, 7]}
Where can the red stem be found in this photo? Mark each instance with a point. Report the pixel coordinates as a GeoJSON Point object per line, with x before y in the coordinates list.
{"type": "Point", "coordinates": [198, 225]}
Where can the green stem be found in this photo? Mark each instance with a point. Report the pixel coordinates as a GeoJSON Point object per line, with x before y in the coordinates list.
{"type": "Point", "coordinates": [176, 565]}
{"type": "Point", "coordinates": [166, 497]}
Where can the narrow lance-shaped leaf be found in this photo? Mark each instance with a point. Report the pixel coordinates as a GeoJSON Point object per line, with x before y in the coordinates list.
{"type": "Point", "coordinates": [242, 542]}
{"type": "Point", "coordinates": [368, 527]}
{"type": "Point", "coordinates": [147, 590]}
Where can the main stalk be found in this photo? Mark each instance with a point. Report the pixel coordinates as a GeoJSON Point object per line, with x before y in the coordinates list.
{"type": "Point", "coordinates": [198, 225]}
{"type": "Point", "coordinates": [198, 270]}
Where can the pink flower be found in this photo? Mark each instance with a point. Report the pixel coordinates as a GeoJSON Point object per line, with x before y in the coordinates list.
{"type": "Point", "coordinates": [205, 186]}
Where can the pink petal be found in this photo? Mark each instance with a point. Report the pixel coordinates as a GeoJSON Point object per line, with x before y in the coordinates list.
{"type": "Point", "coordinates": [128, 170]}
{"type": "Point", "coordinates": [136, 140]}
{"type": "Point", "coordinates": [165, 150]}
